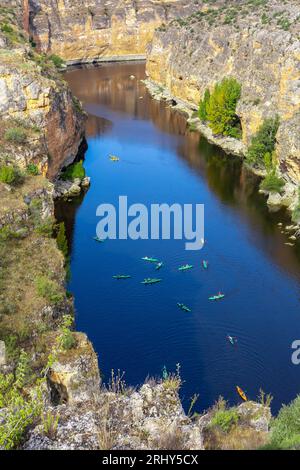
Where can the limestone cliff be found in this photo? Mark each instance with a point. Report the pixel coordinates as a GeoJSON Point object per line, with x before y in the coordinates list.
{"type": "Point", "coordinates": [80, 30]}
{"type": "Point", "coordinates": [255, 41]}
{"type": "Point", "coordinates": [34, 94]}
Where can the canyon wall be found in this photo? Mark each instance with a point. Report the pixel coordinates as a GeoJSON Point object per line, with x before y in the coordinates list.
{"type": "Point", "coordinates": [80, 30]}
{"type": "Point", "coordinates": [33, 93]}
{"type": "Point", "coordinates": [257, 42]}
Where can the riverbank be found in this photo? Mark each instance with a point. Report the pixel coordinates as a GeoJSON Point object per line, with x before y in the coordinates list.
{"type": "Point", "coordinates": [288, 197]}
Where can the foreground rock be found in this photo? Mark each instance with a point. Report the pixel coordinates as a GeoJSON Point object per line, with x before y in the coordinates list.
{"type": "Point", "coordinates": [150, 418]}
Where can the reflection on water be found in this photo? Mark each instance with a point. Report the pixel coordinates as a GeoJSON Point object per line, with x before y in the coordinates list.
{"type": "Point", "coordinates": [140, 330]}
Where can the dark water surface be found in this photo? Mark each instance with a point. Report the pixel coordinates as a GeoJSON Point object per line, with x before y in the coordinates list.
{"type": "Point", "coordinates": [139, 329]}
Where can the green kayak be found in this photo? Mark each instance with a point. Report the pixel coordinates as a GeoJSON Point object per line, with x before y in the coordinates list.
{"type": "Point", "coordinates": [151, 281]}
{"type": "Point", "coordinates": [217, 297]}
{"type": "Point", "coordinates": [183, 307]}
{"type": "Point", "coordinates": [185, 267]}
{"type": "Point", "coordinates": [121, 276]}
{"type": "Point", "coordinates": [151, 260]}
{"type": "Point", "coordinates": [205, 264]}
{"type": "Point", "coordinates": [98, 239]}
{"type": "Point", "coordinates": [159, 265]}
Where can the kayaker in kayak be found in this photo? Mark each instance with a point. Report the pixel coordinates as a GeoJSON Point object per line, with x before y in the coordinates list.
{"type": "Point", "coordinates": [232, 339]}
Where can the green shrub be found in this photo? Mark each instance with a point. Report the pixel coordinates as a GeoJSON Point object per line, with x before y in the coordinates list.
{"type": "Point", "coordinates": [5, 28]}
{"type": "Point", "coordinates": [263, 142]}
{"type": "Point", "coordinates": [48, 289]}
{"type": "Point", "coordinates": [219, 108]}
{"type": "Point", "coordinates": [203, 106]}
{"type": "Point", "coordinates": [16, 135]}
{"type": "Point", "coordinates": [66, 339]}
{"type": "Point", "coordinates": [44, 227]}
{"type": "Point", "coordinates": [7, 174]}
{"type": "Point", "coordinates": [225, 419]}
{"type": "Point", "coordinates": [272, 183]}
{"type": "Point", "coordinates": [5, 233]}
{"type": "Point", "coordinates": [285, 429]}
{"type": "Point", "coordinates": [296, 211]}
{"type": "Point", "coordinates": [57, 61]}
{"type": "Point", "coordinates": [32, 169]}
{"type": "Point", "coordinates": [74, 171]}
{"type": "Point", "coordinates": [61, 239]}
{"type": "Point", "coordinates": [21, 409]}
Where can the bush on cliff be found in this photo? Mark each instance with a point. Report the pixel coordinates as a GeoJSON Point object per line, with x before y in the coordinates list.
{"type": "Point", "coordinates": [57, 61]}
{"type": "Point", "coordinates": [296, 211]}
{"type": "Point", "coordinates": [61, 240]}
{"type": "Point", "coordinates": [219, 108]}
{"type": "Point", "coordinates": [48, 289]}
{"type": "Point", "coordinates": [285, 429]}
{"type": "Point", "coordinates": [74, 171]}
{"type": "Point", "coordinates": [203, 106]}
{"type": "Point", "coordinates": [263, 142]}
{"type": "Point", "coordinates": [272, 182]}
{"type": "Point", "coordinates": [225, 419]}
{"type": "Point", "coordinates": [7, 174]}
{"type": "Point", "coordinates": [15, 135]}
{"type": "Point", "coordinates": [32, 169]}
{"type": "Point", "coordinates": [20, 408]}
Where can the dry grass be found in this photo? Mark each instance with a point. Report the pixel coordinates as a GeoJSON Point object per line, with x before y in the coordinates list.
{"type": "Point", "coordinates": [239, 438]}
{"type": "Point", "coordinates": [13, 200]}
{"type": "Point", "coordinates": [21, 261]}
{"type": "Point", "coordinates": [170, 439]}
{"type": "Point", "coordinates": [107, 435]}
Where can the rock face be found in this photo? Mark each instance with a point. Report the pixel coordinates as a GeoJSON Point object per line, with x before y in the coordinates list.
{"type": "Point", "coordinates": [80, 30]}
{"type": "Point", "coordinates": [149, 418]}
{"type": "Point", "coordinates": [74, 377]}
{"type": "Point", "coordinates": [258, 46]}
{"type": "Point", "coordinates": [31, 91]}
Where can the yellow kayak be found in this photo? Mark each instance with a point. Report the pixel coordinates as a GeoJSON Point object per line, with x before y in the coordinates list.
{"type": "Point", "coordinates": [241, 393]}
{"type": "Point", "coordinates": [113, 158]}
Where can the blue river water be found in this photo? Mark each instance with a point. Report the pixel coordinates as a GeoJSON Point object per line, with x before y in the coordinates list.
{"type": "Point", "coordinates": [139, 329]}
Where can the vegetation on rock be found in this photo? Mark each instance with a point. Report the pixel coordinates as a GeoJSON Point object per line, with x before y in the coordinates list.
{"type": "Point", "coordinates": [15, 135]}
{"type": "Point", "coordinates": [74, 171]}
{"type": "Point", "coordinates": [272, 183]}
{"type": "Point", "coordinates": [61, 239]}
{"type": "Point", "coordinates": [296, 211]}
{"type": "Point", "coordinates": [49, 289]}
{"type": "Point", "coordinates": [19, 408]}
{"type": "Point", "coordinates": [285, 428]}
{"type": "Point", "coordinates": [7, 174]}
{"type": "Point", "coordinates": [225, 419]}
{"type": "Point", "coordinates": [263, 142]}
{"type": "Point", "coordinates": [218, 108]}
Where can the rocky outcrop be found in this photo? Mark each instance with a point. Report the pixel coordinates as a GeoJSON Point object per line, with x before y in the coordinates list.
{"type": "Point", "coordinates": [259, 47]}
{"type": "Point", "coordinates": [149, 418]}
{"type": "Point", "coordinates": [69, 189]}
{"type": "Point", "coordinates": [83, 31]}
{"type": "Point", "coordinates": [34, 94]}
{"type": "Point", "coordinates": [74, 377]}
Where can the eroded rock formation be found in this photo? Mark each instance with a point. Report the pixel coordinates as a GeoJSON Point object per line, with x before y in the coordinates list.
{"type": "Point", "coordinates": [32, 92]}
{"type": "Point", "coordinates": [79, 30]}
{"type": "Point", "coordinates": [257, 42]}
